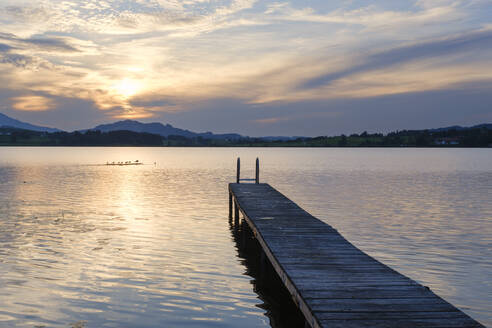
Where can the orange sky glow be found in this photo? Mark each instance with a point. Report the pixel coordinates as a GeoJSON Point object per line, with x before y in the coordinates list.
{"type": "Point", "coordinates": [163, 59]}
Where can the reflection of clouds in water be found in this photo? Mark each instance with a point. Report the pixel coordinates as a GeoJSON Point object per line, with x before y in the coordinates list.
{"type": "Point", "coordinates": [150, 244]}
{"type": "Point", "coordinates": [99, 243]}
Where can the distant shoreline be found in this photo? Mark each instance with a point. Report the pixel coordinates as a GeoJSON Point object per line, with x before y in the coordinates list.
{"type": "Point", "coordinates": [454, 138]}
{"type": "Point", "coordinates": [243, 146]}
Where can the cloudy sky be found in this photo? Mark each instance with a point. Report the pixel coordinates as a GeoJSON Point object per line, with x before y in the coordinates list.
{"type": "Point", "coordinates": [310, 67]}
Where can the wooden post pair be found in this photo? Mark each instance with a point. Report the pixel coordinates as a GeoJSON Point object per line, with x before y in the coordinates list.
{"type": "Point", "coordinates": [238, 172]}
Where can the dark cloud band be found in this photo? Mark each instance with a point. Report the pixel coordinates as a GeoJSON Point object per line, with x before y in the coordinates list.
{"type": "Point", "coordinates": [475, 40]}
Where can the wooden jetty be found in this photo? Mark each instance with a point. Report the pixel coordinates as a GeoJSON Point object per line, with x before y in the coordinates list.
{"type": "Point", "coordinates": [332, 282]}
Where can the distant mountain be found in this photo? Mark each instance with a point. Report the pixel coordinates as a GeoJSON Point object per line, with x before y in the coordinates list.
{"type": "Point", "coordinates": [8, 122]}
{"type": "Point", "coordinates": [161, 129]}
{"type": "Point", "coordinates": [168, 130]}
{"type": "Point", "coordinates": [487, 126]}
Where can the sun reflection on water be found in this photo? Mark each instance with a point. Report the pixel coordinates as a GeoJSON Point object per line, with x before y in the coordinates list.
{"type": "Point", "coordinates": [113, 244]}
{"type": "Point", "coordinates": [150, 245]}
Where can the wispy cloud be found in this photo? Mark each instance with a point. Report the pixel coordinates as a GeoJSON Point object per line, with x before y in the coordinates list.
{"type": "Point", "coordinates": [32, 103]}
{"type": "Point", "coordinates": [179, 54]}
{"type": "Point", "coordinates": [371, 17]}
{"type": "Point", "coordinates": [271, 120]}
{"type": "Point", "coordinates": [35, 44]}
{"type": "Point", "coordinates": [4, 47]}
{"type": "Point", "coordinates": [416, 51]}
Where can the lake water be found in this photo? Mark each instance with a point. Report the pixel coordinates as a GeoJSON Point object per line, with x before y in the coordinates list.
{"type": "Point", "coordinates": [100, 246]}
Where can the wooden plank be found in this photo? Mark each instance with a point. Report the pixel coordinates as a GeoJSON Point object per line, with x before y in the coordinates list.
{"type": "Point", "coordinates": [388, 315]}
{"type": "Point", "coordinates": [307, 284]}
{"type": "Point", "coordinates": [413, 291]}
{"type": "Point", "coordinates": [459, 322]}
{"type": "Point", "coordinates": [432, 304]}
{"type": "Point", "coordinates": [334, 283]}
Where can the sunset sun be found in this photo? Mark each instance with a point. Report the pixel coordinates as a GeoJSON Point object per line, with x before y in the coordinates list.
{"type": "Point", "coordinates": [127, 87]}
{"type": "Point", "coordinates": [142, 143]}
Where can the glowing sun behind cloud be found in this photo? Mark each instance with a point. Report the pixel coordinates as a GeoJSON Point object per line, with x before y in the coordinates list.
{"type": "Point", "coordinates": [286, 65]}
{"type": "Point", "coordinates": [127, 87]}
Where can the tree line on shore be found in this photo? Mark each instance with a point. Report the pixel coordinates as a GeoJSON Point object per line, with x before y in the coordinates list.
{"type": "Point", "coordinates": [473, 137]}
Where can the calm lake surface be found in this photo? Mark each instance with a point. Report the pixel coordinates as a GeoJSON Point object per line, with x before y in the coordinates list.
{"type": "Point", "coordinates": [150, 246]}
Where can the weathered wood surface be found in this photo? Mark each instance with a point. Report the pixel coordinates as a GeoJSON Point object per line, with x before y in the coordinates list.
{"type": "Point", "coordinates": [334, 283]}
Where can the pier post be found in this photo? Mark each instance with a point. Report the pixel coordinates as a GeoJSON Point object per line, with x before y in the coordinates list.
{"type": "Point", "coordinates": [243, 237]}
{"type": "Point", "coordinates": [238, 172]}
{"type": "Point", "coordinates": [236, 214]}
{"type": "Point", "coordinates": [230, 205]}
{"type": "Point", "coordinates": [257, 179]}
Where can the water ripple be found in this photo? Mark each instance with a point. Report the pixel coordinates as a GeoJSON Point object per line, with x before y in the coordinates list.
{"type": "Point", "coordinates": [97, 246]}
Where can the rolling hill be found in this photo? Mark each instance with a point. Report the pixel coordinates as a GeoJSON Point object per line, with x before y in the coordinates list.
{"type": "Point", "coordinates": [8, 122]}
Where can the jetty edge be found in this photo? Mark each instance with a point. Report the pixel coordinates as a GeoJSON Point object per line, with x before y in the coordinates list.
{"type": "Point", "coordinates": [333, 283]}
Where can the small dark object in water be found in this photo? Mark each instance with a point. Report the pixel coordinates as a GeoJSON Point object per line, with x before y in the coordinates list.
{"type": "Point", "coordinates": [124, 163]}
